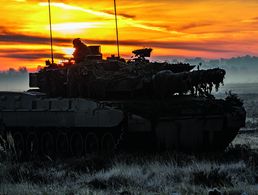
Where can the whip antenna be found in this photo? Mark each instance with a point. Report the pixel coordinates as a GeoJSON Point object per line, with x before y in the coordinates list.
{"type": "Point", "coordinates": [117, 41]}
{"type": "Point", "coordinates": [50, 31]}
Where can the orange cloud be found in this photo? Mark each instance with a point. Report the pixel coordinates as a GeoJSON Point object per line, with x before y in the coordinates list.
{"type": "Point", "coordinates": [204, 28]}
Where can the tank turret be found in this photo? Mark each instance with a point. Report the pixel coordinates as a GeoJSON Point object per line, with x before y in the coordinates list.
{"type": "Point", "coordinates": [92, 77]}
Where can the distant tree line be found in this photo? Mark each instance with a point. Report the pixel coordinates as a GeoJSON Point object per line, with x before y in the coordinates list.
{"type": "Point", "coordinates": [239, 69]}
{"type": "Point", "coordinates": [235, 63]}
{"type": "Point", "coordinates": [14, 79]}
{"type": "Point", "coordinates": [20, 70]}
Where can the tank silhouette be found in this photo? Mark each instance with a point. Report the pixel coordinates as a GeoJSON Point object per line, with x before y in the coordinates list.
{"type": "Point", "coordinates": [91, 105]}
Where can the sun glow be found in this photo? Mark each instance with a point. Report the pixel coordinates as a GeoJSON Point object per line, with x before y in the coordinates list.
{"type": "Point", "coordinates": [209, 29]}
{"type": "Point", "coordinates": [68, 52]}
{"type": "Point", "coordinates": [75, 27]}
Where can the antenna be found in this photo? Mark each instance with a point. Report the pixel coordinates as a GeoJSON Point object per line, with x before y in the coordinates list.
{"type": "Point", "coordinates": [117, 41]}
{"type": "Point", "coordinates": [50, 31]}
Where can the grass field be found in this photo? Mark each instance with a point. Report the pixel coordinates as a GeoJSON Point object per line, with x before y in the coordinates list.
{"type": "Point", "coordinates": [233, 172]}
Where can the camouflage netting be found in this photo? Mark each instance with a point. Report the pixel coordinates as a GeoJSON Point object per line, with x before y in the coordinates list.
{"type": "Point", "coordinates": [197, 82]}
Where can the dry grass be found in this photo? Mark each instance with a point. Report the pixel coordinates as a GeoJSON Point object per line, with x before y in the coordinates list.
{"type": "Point", "coordinates": [250, 139]}
{"type": "Point", "coordinates": [233, 172]}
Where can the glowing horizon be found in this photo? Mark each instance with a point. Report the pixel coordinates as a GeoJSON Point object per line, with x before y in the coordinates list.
{"type": "Point", "coordinates": [198, 28]}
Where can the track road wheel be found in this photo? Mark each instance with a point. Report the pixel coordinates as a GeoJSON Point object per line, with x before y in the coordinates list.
{"type": "Point", "coordinates": [107, 144]}
{"type": "Point", "coordinates": [47, 144]}
{"type": "Point", "coordinates": [91, 144]}
{"type": "Point", "coordinates": [32, 144]}
{"type": "Point", "coordinates": [19, 144]}
{"type": "Point", "coordinates": [76, 144]}
{"type": "Point", "coordinates": [62, 144]}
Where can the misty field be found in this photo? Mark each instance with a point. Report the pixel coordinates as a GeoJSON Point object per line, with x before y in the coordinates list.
{"type": "Point", "coordinates": [233, 172]}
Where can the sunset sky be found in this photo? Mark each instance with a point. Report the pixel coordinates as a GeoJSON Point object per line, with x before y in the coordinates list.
{"type": "Point", "coordinates": [194, 28]}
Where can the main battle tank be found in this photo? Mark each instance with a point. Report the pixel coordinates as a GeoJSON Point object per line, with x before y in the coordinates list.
{"type": "Point", "coordinates": [91, 105]}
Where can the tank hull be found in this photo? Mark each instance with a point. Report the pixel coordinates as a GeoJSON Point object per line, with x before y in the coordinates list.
{"type": "Point", "coordinates": [208, 133]}
{"type": "Point", "coordinates": [73, 125]}
{"type": "Point", "coordinates": [174, 125]}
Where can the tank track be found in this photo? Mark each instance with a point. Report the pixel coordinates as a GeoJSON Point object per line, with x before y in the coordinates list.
{"type": "Point", "coordinates": [31, 143]}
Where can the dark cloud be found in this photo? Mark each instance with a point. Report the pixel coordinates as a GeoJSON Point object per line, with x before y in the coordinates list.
{"type": "Point", "coordinates": [29, 39]}
{"type": "Point", "coordinates": [120, 14]}
{"type": "Point", "coordinates": [195, 46]}
{"type": "Point", "coordinates": [194, 25]}
{"type": "Point", "coordinates": [211, 46]}
{"type": "Point", "coordinates": [255, 18]}
{"type": "Point", "coordinates": [31, 56]}
{"type": "Point", "coordinates": [24, 51]}
{"type": "Point", "coordinates": [28, 54]}
{"type": "Point", "coordinates": [3, 30]}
